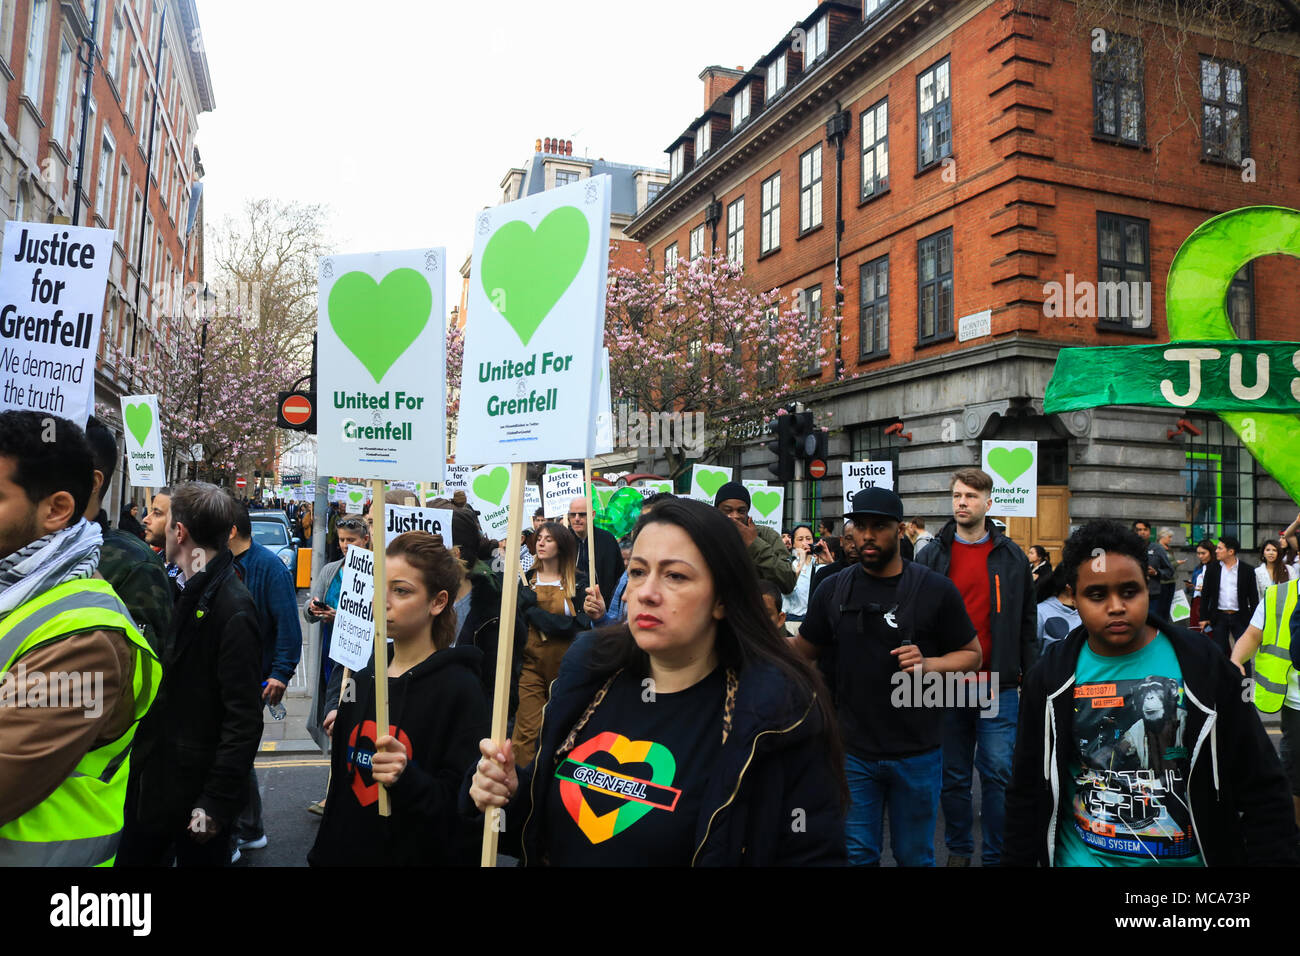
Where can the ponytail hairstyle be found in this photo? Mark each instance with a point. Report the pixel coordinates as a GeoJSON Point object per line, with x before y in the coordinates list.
{"type": "Point", "coordinates": [439, 569]}
{"type": "Point", "coordinates": [566, 553]}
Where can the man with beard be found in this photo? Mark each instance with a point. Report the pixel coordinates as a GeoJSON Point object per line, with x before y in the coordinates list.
{"type": "Point", "coordinates": [887, 618]}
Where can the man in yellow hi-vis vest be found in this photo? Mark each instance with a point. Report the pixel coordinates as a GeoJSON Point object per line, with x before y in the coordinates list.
{"type": "Point", "coordinates": [1273, 634]}
{"type": "Point", "coordinates": [76, 676]}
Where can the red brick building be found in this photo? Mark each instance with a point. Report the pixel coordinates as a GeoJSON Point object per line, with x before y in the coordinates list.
{"type": "Point", "coordinates": [990, 148]}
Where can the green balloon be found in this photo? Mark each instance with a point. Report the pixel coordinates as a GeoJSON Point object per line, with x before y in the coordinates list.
{"type": "Point", "coordinates": [621, 512]}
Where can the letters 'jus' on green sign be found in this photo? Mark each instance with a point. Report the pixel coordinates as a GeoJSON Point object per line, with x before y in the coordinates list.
{"type": "Point", "coordinates": [1253, 386]}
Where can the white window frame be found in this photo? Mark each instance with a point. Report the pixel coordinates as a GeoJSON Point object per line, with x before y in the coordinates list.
{"type": "Point", "coordinates": [816, 44]}
{"type": "Point", "coordinates": [103, 182]}
{"type": "Point", "coordinates": [37, 34]}
{"type": "Point", "coordinates": [775, 78]}
{"type": "Point", "coordinates": [740, 107]}
{"type": "Point", "coordinates": [123, 191]}
{"type": "Point", "coordinates": [703, 135]}
{"type": "Point", "coordinates": [676, 162]}
{"type": "Point", "coordinates": [810, 189]}
{"type": "Point", "coordinates": [670, 267]}
{"type": "Point", "coordinates": [736, 232]}
{"type": "Point", "coordinates": [769, 233]}
{"type": "Point", "coordinates": [63, 94]}
{"type": "Point", "coordinates": [697, 241]}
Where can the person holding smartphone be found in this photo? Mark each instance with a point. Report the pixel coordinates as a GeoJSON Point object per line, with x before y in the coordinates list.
{"type": "Point", "coordinates": [806, 557]}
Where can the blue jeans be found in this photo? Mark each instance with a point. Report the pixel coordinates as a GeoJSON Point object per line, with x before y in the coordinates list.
{"type": "Point", "coordinates": [909, 787]}
{"type": "Point", "coordinates": [987, 742]}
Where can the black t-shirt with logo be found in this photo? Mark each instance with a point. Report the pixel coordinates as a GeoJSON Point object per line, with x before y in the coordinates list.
{"type": "Point", "coordinates": [880, 717]}
{"type": "Point", "coordinates": [629, 792]}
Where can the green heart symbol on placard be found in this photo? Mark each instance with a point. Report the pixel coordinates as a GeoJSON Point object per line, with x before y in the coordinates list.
{"type": "Point", "coordinates": [1195, 309]}
{"type": "Point", "coordinates": [356, 496]}
{"type": "Point", "coordinates": [1010, 463]}
{"type": "Point", "coordinates": [139, 418]}
{"type": "Point", "coordinates": [765, 501]}
{"type": "Point", "coordinates": [492, 486]}
{"type": "Point", "coordinates": [525, 271]}
{"type": "Point", "coordinates": [378, 321]}
{"type": "Point", "coordinates": [709, 481]}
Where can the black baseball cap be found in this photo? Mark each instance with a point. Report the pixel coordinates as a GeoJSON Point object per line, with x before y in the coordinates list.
{"type": "Point", "coordinates": [877, 501]}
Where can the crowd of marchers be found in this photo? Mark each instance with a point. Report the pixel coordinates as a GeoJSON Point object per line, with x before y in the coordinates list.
{"type": "Point", "coordinates": [711, 695]}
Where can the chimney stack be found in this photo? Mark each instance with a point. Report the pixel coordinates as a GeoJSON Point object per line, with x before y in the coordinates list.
{"type": "Point", "coordinates": [717, 80]}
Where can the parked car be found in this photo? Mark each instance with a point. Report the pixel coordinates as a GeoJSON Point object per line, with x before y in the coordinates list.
{"type": "Point", "coordinates": [271, 530]}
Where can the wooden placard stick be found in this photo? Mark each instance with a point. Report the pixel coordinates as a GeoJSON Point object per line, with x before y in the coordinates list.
{"type": "Point", "coordinates": [379, 606]}
{"type": "Point", "coordinates": [591, 524]}
{"type": "Point", "coordinates": [505, 645]}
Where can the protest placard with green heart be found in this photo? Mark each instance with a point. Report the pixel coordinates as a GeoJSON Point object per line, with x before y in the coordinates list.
{"type": "Point", "coordinates": [143, 433]}
{"type": "Point", "coordinates": [1013, 466]}
{"type": "Point", "coordinates": [706, 480]}
{"type": "Point", "coordinates": [489, 495]}
{"type": "Point", "coordinates": [381, 402]}
{"type": "Point", "coordinates": [766, 503]}
{"type": "Point", "coordinates": [535, 327]}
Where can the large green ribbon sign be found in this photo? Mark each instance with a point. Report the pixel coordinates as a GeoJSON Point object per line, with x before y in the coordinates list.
{"type": "Point", "coordinates": [1254, 387]}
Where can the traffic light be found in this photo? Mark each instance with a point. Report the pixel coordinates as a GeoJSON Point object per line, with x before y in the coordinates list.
{"type": "Point", "coordinates": [819, 443]}
{"type": "Point", "coordinates": [782, 446]}
{"type": "Point", "coordinates": [804, 437]}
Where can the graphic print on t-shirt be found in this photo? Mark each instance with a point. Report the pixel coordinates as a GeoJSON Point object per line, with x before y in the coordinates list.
{"type": "Point", "coordinates": [360, 757]}
{"type": "Point", "coordinates": [1130, 794]}
{"type": "Point", "coordinates": [609, 782]}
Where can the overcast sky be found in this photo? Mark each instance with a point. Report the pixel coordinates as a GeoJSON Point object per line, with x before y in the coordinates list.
{"type": "Point", "coordinates": [404, 116]}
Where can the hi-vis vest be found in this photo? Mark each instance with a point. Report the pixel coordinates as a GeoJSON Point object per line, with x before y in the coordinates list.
{"type": "Point", "coordinates": [80, 823]}
{"type": "Point", "coordinates": [1273, 659]}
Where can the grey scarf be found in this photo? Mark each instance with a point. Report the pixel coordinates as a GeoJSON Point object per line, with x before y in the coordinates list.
{"type": "Point", "coordinates": [66, 555]}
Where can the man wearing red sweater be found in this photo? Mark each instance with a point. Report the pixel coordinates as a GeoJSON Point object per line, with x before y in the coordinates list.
{"type": "Point", "coordinates": [996, 584]}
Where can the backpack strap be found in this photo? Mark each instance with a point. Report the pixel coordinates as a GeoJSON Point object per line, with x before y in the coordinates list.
{"type": "Point", "coordinates": [914, 576]}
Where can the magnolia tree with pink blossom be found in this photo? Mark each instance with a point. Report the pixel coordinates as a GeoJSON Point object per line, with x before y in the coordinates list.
{"type": "Point", "coordinates": [699, 339]}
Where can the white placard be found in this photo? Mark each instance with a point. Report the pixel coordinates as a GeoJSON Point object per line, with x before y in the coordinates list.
{"type": "Point", "coordinates": [1013, 466]}
{"type": "Point", "coordinates": [144, 449]}
{"type": "Point", "coordinates": [558, 489]}
{"type": "Point", "coordinates": [381, 410]}
{"type": "Point", "coordinates": [354, 496]}
{"type": "Point", "coordinates": [353, 639]}
{"type": "Point", "coordinates": [403, 485]}
{"type": "Point", "coordinates": [605, 416]}
{"type": "Point", "coordinates": [865, 474]}
{"type": "Point", "coordinates": [648, 488]}
{"type": "Point", "coordinates": [706, 480]}
{"type": "Point", "coordinates": [766, 503]}
{"type": "Point", "coordinates": [489, 495]}
{"type": "Point", "coordinates": [51, 303]}
{"type": "Point", "coordinates": [536, 326]}
{"type": "Point", "coordinates": [532, 501]}
{"type": "Point", "coordinates": [975, 326]}
{"type": "Point", "coordinates": [398, 519]}
{"type": "Point", "coordinates": [457, 479]}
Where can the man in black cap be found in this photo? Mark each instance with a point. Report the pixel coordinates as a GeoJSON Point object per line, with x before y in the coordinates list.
{"type": "Point", "coordinates": [890, 621]}
{"type": "Point", "coordinates": [766, 549]}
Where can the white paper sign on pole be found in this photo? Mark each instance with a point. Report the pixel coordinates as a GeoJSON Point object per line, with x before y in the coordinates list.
{"type": "Point", "coordinates": [536, 326]}
{"type": "Point", "coordinates": [865, 474]}
{"type": "Point", "coordinates": [144, 449]}
{"type": "Point", "coordinates": [403, 485]}
{"type": "Point", "coordinates": [354, 496]}
{"type": "Point", "coordinates": [648, 488]}
{"type": "Point", "coordinates": [51, 305]}
{"type": "Point", "coordinates": [706, 480]}
{"type": "Point", "coordinates": [532, 501]}
{"type": "Point", "coordinates": [605, 417]}
{"type": "Point", "coordinates": [457, 479]}
{"type": "Point", "coordinates": [489, 495]}
{"type": "Point", "coordinates": [558, 489]}
{"type": "Point", "coordinates": [381, 411]}
{"type": "Point", "coordinates": [766, 503]}
{"type": "Point", "coordinates": [398, 519]}
{"type": "Point", "coordinates": [1013, 466]}
{"type": "Point", "coordinates": [353, 640]}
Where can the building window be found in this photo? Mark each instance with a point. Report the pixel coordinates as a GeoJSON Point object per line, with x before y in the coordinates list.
{"type": "Point", "coordinates": [36, 51]}
{"type": "Point", "coordinates": [1123, 267]}
{"type": "Point", "coordinates": [871, 7]}
{"type": "Point", "coordinates": [816, 43]}
{"type": "Point", "coordinates": [697, 241]}
{"type": "Point", "coordinates": [775, 78]}
{"type": "Point", "coordinates": [115, 48]}
{"type": "Point", "coordinates": [670, 267]}
{"type": "Point", "coordinates": [703, 139]}
{"type": "Point", "coordinates": [676, 161]}
{"type": "Point", "coordinates": [740, 107]}
{"type": "Point", "coordinates": [933, 115]}
{"type": "Point", "coordinates": [870, 443]}
{"type": "Point", "coordinates": [875, 149]}
{"type": "Point", "coordinates": [132, 74]}
{"type": "Point", "coordinates": [652, 191]}
{"type": "Point", "coordinates": [62, 95]}
{"type": "Point", "coordinates": [1219, 475]}
{"type": "Point", "coordinates": [1117, 90]}
{"type": "Point", "coordinates": [769, 234]}
{"type": "Point", "coordinates": [810, 304]}
{"type": "Point", "coordinates": [104, 184]}
{"type": "Point", "coordinates": [934, 287]}
{"type": "Point", "coordinates": [565, 177]}
{"type": "Point", "coordinates": [736, 232]}
{"type": "Point", "coordinates": [768, 352]}
{"type": "Point", "coordinates": [123, 190]}
{"type": "Point", "coordinates": [1241, 302]}
{"type": "Point", "coordinates": [1223, 110]}
{"type": "Point", "coordinates": [810, 189]}
{"type": "Point", "coordinates": [873, 314]}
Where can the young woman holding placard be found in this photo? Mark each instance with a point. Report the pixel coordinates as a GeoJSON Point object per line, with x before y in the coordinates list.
{"type": "Point", "coordinates": [550, 607]}
{"type": "Point", "coordinates": [690, 735]}
{"type": "Point", "coordinates": [437, 715]}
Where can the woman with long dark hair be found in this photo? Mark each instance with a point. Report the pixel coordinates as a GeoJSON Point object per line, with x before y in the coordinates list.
{"type": "Point", "coordinates": [555, 616]}
{"type": "Point", "coordinates": [437, 715]}
{"type": "Point", "coordinates": [1041, 566]}
{"type": "Point", "coordinates": [691, 735]}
